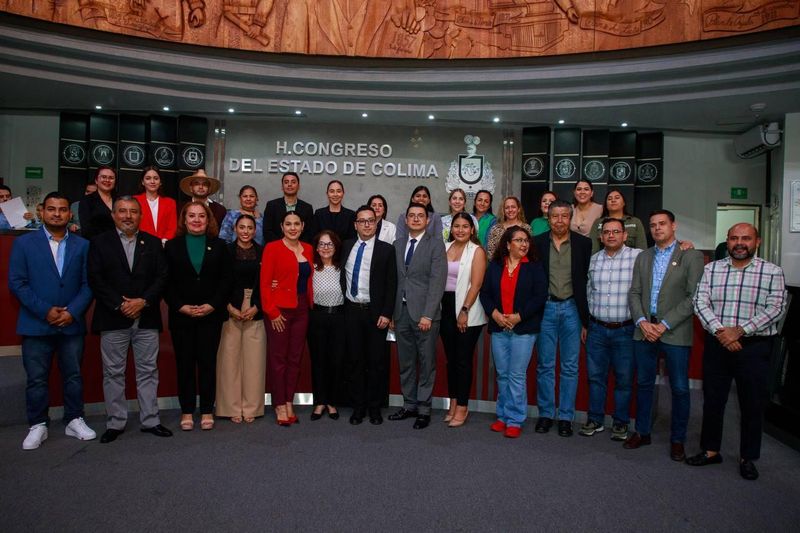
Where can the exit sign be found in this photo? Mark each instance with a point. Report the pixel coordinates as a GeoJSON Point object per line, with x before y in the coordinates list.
{"type": "Point", "coordinates": [34, 173]}
{"type": "Point", "coordinates": [738, 193]}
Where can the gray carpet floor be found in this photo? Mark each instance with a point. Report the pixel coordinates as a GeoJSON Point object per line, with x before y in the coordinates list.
{"type": "Point", "coordinates": [329, 476]}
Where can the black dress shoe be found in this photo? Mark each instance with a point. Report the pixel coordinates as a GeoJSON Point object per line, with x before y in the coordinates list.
{"type": "Point", "coordinates": [564, 428]}
{"type": "Point", "coordinates": [315, 416]}
{"type": "Point", "coordinates": [422, 421]}
{"type": "Point", "coordinates": [402, 414]}
{"type": "Point", "coordinates": [703, 459]}
{"type": "Point", "coordinates": [748, 470]}
{"type": "Point", "coordinates": [356, 419]}
{"type": "Point", "coordinates": [334, 415]}
{"type": "Point", "coordinates": [158, 431]}
{"type": "Point", "coordinates": [543, 425]}
{"type": "Point", "coordinates": [376, 419]}
{"type": "Point", "coordinates": [111, 435]}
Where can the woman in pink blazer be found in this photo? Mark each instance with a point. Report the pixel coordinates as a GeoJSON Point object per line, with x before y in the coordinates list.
{"type": "Point", "coordinates": [159, 214]}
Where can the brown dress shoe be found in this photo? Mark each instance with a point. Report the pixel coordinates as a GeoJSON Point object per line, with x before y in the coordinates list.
{"type": "Point", "coordinates": [636, 441]}
{"type": "Point", "coordinates": [676, 452]}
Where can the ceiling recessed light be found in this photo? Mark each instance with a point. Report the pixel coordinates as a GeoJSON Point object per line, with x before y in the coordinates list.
{"type": "Point", "coordinates": [231, 110]}
{"type": "Point", "coordinates": [364, 115]}
{"type": "Point", "coordinates": [165, 108]}
{"type": "Point", "coordinates": [298, 112]}
{"type": "Point", "coordinates": [431, 117]}
{"type": "Point", "coordinates": [624, 124]}
{"type": "Point", "coordinates": [98, 107]}
{"type": "Point", "coordinates": [561, 121]}
{"type": "Point", "coordinates": [496, 119]}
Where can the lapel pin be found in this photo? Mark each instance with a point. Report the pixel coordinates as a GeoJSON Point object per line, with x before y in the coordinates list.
{"type": "Point", "coordinates": [208, 248]}
{"type": "Point", "coordinates": [141, 242]}
{"type": "Point", "coordinates": [674, 263]}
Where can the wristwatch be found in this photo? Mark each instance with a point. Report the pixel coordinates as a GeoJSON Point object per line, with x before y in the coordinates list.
{"type": "Point", "coordinates": [465, 309]}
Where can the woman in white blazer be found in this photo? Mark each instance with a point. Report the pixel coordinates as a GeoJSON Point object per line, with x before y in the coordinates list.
{"type": "Point", "coordinates": [462, 315]}
{"type": "Point", "coordinates": [386, 230]}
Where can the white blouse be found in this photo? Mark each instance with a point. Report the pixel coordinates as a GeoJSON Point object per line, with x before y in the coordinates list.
{"type": "Point", "coordinates": [327, 287]}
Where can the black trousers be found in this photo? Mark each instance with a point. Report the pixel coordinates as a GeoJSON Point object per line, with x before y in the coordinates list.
{"type": "Point", "coordinates": [459, 349]}
{"type": "Point", "coordinates": [750, 368]}
{"type": "Point", "coordinates": [196, 361]}
{"type": "Point", "coordinates": [368, 360]}
{"type": "Point", "coordinates": [326, 343]}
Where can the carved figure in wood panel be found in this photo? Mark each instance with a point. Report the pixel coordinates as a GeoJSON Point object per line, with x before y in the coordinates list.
{"type": "Point", "coordinates": [448, 29]}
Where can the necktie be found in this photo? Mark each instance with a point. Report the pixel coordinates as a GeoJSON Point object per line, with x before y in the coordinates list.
{"type": "Point", "coordinates": [410, 252]}
{"type": "Point", "coordinates": [356, 269]}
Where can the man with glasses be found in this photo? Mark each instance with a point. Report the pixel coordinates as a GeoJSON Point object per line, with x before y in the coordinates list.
{"type": "Point", "coordinates": [369, 282]}
{"type": "Point", "coordinates": [421, 274]}
{"type": "Point", "coordinates": [609, 342]}
{"type": "Point", "coordinates": [275, 209]}
{"type": "Point", "coordinates": [565, 256]}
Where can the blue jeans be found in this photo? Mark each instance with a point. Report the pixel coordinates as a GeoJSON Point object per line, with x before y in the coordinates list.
{"type": "Point", "coordinates": [612, 348]}
{"type": "Point", "coordinates": [677, 359]}
{"type": "Point", "coordinates": [561, 329]}
{"type": "Point", "coordinates": [512, 354]}
{"type": "Point", "coordinates": [37, 357]}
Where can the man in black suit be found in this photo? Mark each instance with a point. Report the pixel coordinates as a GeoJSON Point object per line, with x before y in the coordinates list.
{"type": "Point", "coordinates": [127, 274]}
{"type": "Point", "coordinates": [369, 282]}
{"type": "Point", "coordinates": [565, 256]}
{"type": "Point", "coordinates": [275, 209]}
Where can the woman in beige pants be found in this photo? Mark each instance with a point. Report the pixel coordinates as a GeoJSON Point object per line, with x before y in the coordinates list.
{"type": "Point", "coordinates": [241, 361]}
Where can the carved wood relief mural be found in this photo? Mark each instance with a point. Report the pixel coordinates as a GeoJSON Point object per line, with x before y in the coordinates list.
{"type": "Point", "coordinates": [441, 29]}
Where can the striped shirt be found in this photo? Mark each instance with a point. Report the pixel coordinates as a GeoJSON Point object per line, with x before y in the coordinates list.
{"type": "Point", "coordinates": [753, 297]}
{"type": "Point", "coordinates": [609, 282]}
{"type": "Point", "coordinates": [660, 265]}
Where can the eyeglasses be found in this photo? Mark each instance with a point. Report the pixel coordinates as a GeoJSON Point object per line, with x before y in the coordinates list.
{"type": "Point", "coordinates": [612, 231]}
{"type": "Point", "coordinates": [325, 245]}
{"type": "Point", "coordinates": [521, 240]}
{"type": "Point", "coordinates": [365, 221]}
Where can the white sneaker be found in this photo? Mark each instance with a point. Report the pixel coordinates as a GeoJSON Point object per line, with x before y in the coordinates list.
{"type": "Point", "coordinates": [78, 429]}
{"type": "Point", "coordinates": [36, 436]}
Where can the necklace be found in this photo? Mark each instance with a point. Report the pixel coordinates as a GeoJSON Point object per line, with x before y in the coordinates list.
{"type": "Point", "coordinates": [511, 269]}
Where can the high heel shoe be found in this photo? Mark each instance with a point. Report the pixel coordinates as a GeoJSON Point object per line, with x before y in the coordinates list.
{"type": "Point", "coordinates": [460, 417]}
{"type": "Point", "coordinates": [206, 424]}
{"type": "Point", "coordinates": [187, 424]}
{"type": "Point", "coordinates": [280, 416]}
{"type": "Point", "coordinates": [293, 420]}
{"type": "Point", "coordinates": [450, 412]}
{"type": "Point", "coordinates": [316, 416]}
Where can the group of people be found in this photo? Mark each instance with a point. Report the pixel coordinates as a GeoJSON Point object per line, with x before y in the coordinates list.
{"type": "Point", "coordinates": [240, 284]}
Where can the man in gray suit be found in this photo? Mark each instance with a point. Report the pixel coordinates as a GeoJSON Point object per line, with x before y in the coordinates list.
{"type": "Point", "coordinates": [421, 275]}
{"type": "Point", "coordinates": [127, 273]}
{"type": "Point", "coordinates": [664, 281]}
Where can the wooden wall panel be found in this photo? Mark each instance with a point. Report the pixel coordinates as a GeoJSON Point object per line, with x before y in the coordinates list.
{"type": "Point", "coordinates": [441, 29]}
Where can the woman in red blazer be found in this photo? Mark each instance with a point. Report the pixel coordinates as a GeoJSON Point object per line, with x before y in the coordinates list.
{"type": "Point", "coordinates": [287, 295]}
{"type": "Point", "coordinates": [159, 215]}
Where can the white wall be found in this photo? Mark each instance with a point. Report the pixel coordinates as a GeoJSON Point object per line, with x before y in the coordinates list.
{"type": "Point", "coordinates": [790, 242]}
{"type": "Point", "coordinates": [699, 171]}
{"type": "Point", "coordinates": [29, 141]}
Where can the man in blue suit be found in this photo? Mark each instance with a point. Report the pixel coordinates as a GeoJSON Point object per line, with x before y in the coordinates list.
{"type": "Point", "coordinates": [47, 273]}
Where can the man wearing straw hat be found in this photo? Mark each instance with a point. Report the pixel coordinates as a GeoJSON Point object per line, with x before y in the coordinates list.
{"type": "Point", "coordinates": [199, 187]}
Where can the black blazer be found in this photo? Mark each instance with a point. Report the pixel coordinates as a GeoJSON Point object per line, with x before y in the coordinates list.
{"type": "Point", "coordinates": [111, 279]}
{"type": "Point", "coordinates": [382, 277]}
{"type": "Point", "coordinates": [581, 253]}
{"type": "Point", "coordinates": [94, 215]}
{"type": "Point", "coordinates": [187, 287]}
{"type": "Point", "coordinates": [273, 215]}
{"type": "Point", "coordinates": [529, 296]}
{"type": "Point", "coordinates": [342, 223]}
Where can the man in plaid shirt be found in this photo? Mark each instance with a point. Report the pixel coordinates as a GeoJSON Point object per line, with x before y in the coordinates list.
{"type": "Point", "coordinates": [739, 301]}
{"type": "Point", "coordinates": [609, 342]}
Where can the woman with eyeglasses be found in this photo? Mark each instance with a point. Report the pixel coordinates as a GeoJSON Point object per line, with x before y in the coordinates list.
{"type": "Point", "coordinates": [457, 201]}
{"type": "Point", "coordinates": [94, 209]}
{"type": "Point", "coordinates": [326, 332]}
{"type": "Point", "coordinates": [540, 224]}
{"type": "Point", "coordinates": [386, 231]}
{"type": "Point", "coordinates": [248, 203]}
{"type": "Point", "coordinates": [482, 209]}
{"type": "Point", "coordinates": [462, 316]}
{"type": "Point", "coordinates": [241, 359]}
{"type": "Point", "coordinates": [287, 292]}
{"type": "Point", "coordinates": [513, 295]}
{"type": "Point", "coordinates": [421, 195]}
{"type": "Point", "coordinates": [159, 212]}
{"type": "Point", "coordinates": [512, 215]}
{"type": "Point", "coordinates": [614, 207]}
{"type": "Point", "coordinates": [584, 210]}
